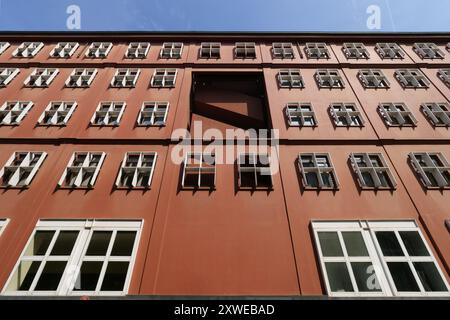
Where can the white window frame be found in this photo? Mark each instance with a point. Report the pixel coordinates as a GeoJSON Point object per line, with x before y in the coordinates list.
{"type": "Point", "coordinates": [166, 73]}
{"type": "Point", "coordinates": [125, 78]}
{"type": "Point", "coordinates": [7, 75]}
{"type": "Point", "coordinates": [137, 50]}
{"type": "Point", "coordinates": [373, 171]}
{"type": "Point", "coordinates": [64, 49]}
{"type": "Point", "coordinates": [25, 165]}
{"type": "Point", "coordinates": [41, 77]}
{"type": "Point", "coordinates": [345, 110]}
{"type": "Point", "coordinates": [171, 50]}
{"type": "Point", "coordinates": [373, 78]}
{"type": "Point", "coordinates": [28, 49]}
{"type": "Point", "coordinates": [283, 50]}
{"type": "Point", "coordinates": [245, 50]}
{"type": "Point", "coordinates": [355, 50]}
{"type": "Point", "coordinates": [438, 113]}
{"type": "Point", "coordinates": [329, 79]}
{"type": "Point", "coordinates": [368, 231]}
{"type": "Point", "coordinates": [317, 50]}
{"type": "Point", "coordinates": [19, 108]}
{"type": "Point", "coordinates": [395, 112]}
{"type": "Point", "coordinates": [389, 50]}
{"type": "Point", "coordinates": [210, 50]}
{"type": "Point", "coordinates": [160, 109]}
{"type": "Point", "coordinates": [79, 170]}
{"type": "Point", "coordinates": [431, 167]}
{"type": "Point", "coordinates": [86, 228]}
{"type": "Point", "coordinates": [295, 110]}
{"type": "Point", "coordinates": [3, 46]}
{"type": "Point", "coordinates": [290, 78]}
{"type": "Point", "coordinates": [318, 169]}
{"type": "Point", "coordinates": [81, 77]}
{"type": "Point", "coordinates": [107, 114]}
{"type": "Point", "coordinates": [411, 78]}
{"type": "Point", "coordinates": [428, 50]}
{"type": "Point", "coordinates": [444, 75]}
{"type": "Point", "coordinates": [252, 167]}
{"type": "Point", "coordinates": [65, 108]}
{"type": "Point", "coordinates": [137, 169]}
{"type": "Point", "coordinates": [202, 158]}
{"type": "Point", "coordinates": [3, 224]}
{"type": "Point", "coordinates": [99, 50]}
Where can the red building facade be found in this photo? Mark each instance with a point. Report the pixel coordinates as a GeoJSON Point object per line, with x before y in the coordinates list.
{"type": "Point", "coordinates": [93, 203]}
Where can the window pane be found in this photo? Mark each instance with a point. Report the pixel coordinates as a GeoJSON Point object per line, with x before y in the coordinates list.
{"type": "Point", "coordinates": [330, 245]}
{"type": "Point", "coordinates": [40, 243]}
{"type": "Point", "coordinates": [389, 243]}
{"type": "Point", "coordinates": [115, 275]}
{"type": "Point", "coordinates": [88, 278]}
{"type": "Point", "coordinates": [99, 243]}
{"type": "Point", "coordinates": [354, 243]}
{"type": "Point", "coordinates": [365, 276]}
{"type": "Point", "coordinates": [402, 276]}
{"type": "Point", "coordinates": [413, 243]}
{"type": "Point", "coordinates": [64, 244]}
{"type": "Point", "coordinates": [24, 276]}
{"type": "Point", "coordinates": [50, 276]}
{"type": "Point", "coordinates": [123, 245]}
{"type": "Point", "coordinates": [429, 276]}
{"type": "Point", "coordinates": [338, 277]}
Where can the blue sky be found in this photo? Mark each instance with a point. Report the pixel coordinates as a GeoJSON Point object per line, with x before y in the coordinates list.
{"type": "Point", "coordinates": [227, 15]}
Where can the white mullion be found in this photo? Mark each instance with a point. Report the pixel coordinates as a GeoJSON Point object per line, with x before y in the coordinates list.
{"type": "Point", "coordinates": [199, 169]}
{"type": "Point", "coordinates": [347, 262]}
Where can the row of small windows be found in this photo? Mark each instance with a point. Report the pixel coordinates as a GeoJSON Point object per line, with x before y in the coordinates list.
{"type": "Point", "coordinates": [357, 258]}
{"type": "Point", "coordinates": [281, 50]}
{"type": "Point", "coordinates": [348, 115]}
{"type": "Point", "coordinates": [199, 170]}
{"type": "Point", "coordinates": [154, 113]}
{"type": "Point", "coordinates": [108, 113]}
{"type": "Point", "coordinates": [165, 78]}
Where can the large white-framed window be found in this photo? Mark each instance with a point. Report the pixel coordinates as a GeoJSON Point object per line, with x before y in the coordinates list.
{"type": "Point", "coordinates": [245, 50]}
{"type": "Point", "coordinates": [355, 51]}
{"type": "Point", "coordinates": [77, 257]}
{"type": "Point", "coordinates": [171, 50]}
{"type": "Point", "coordinates": [210, 50]}
{"type": "Point", "coordinates": [28, 49]}
{"type": "Point", "coordinates": [317, 171]}
{"type": "Point", "coordinates": [108, 113]}
{"type": "Point", "coordinates": [444, 75]}
{"type": "Point", "coordinates": [438, 113]}
{"type": "Point", "coordinates": [137, 50]}
{"type": "Point", "coordinates": [125, 78]}
{"type": "Point", "coordinates": [397, 114]}
{"type": "Point", "coordinates": [300, 114]}
{"type": "Point", "coordinates": [64, 49]}
{"type": "Point", "coordinates": [41, 77]}
{"type": "Point", "coordinates": [57, 113]}
{"type": "Point", "coordinates": [317, 50]}
{"type": "Point", "coordinates": [20, 169]}
{"type": "Point", "coordinates": [99, 50]}
{"type": "Point", "coordinates": [13, 112]}
{"type": "Point", "coordinates": [428, 51]}
{"type": "Point", "coordinates": [153, 113]}
{"type": "Point", "coordinates": [389, 50]}
{"type": "Point", "coordinates": [254, 171]}
{"type": "Point", "coordinates": [377, 258]}
{"type": "Point", "coordinates": [3, 46]}
{"type": "Point", "coordinates": [7, 75]}
{"type": "Point", "coordinates": [81, 78]}
{"type": "Point", "coordinates": [136, 171]}
{"type": "Point", "coordinates": [346, 114]}
{"type": "Point", "coordinates": [411, 78]}
{"type": "Point", "coordinates": [329, 78]}
{"type": "Point", "coordinates": [283, 50]}
{"type": "Point", "coordinates": [3, 224]}
{"type": "Point", "coordinates": [373, 78]}
{"type": "Point", "coordinates": [372, 171]}
{"type": "Point", "coordinates": [290, 78]}
{"type": "Point", "coordinates": [82, 170]}
{"type": "Point", "coordinates": [432, 168]}
{"type": "Point", "coordinates": [164, 78]}
{"type": "Point", "coordinates": [199, 171]}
